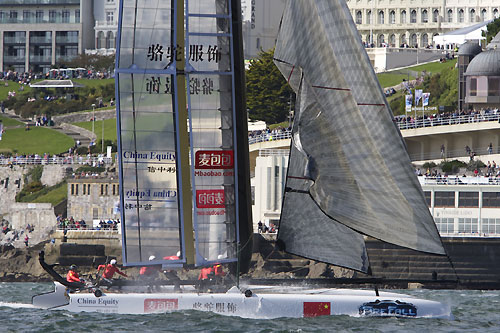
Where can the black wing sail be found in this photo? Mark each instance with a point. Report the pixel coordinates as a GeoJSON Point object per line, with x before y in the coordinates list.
{"type": "Point", "coordinates": [351, 158]}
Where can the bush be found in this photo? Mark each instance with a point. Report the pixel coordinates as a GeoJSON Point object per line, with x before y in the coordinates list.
{"type": "Point", "coordinates": [452, 166]}
{"type": "Point", "coordinates": [476, 164]}
{"type": "Point", "coordinates": [29, 189]}
{"type": "Point", "coordinates": [88, 168]}
{"type": "Point", "coordinates": [429, 165]}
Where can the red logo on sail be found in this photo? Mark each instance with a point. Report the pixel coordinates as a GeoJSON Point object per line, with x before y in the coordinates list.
{"type": "Point", "coordinates": [160, 304]}
{"type": "Point", "coordinates": [214, 159]}
{"type": "Point", "coordinates": [315, 309]}
{"type": "Point", "coordinates": [210, 199]}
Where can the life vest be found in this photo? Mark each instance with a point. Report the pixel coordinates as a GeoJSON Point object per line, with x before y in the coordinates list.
{"type": "Point", "coordinates": [218, 270]}
{"type": "Point", "coordinates": [204, 273]}
{"type": "Point", "coordinates": [72, 276]}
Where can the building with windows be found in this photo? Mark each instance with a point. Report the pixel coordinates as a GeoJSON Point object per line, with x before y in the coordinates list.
{"type": "Point", "coordinates": [464, 205]}
{"type": "Point", "coordinates": [35, 34]}
{"type": "Point", "coordinates": [93, 199]}
{"type": "Point", "coordinates": [482, 80]}
{"type": "Point", "coordinates": [415, 23]}
{"type": "Point", "coordinates": [261, 20]}
{"type": "Point", "coordinates": [380, 22]}
{"type": "Point", "coordinates": [106, 25]}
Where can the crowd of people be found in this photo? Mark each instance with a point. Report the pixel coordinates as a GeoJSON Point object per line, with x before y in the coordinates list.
{"type": "Point", "coordinates": [20, 159]}
{"type": "Point", "coordinates": [264, 229]}
{"type": "Point", "coordinates": [25, 78]}
{"type": "Point", "coordinates": [10, 234]}
{"type": "Point", "coordinates": [74, 224]}
{"type": "Point", "coordinates": [447, 118]}
{"type": "Point", "coordinates": [268, 134]}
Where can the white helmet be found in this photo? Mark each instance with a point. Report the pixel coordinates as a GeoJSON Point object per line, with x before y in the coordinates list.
{"type": "Point", "coordinates": [151, 258]}
{"type": "Point", "coordinates": [179, 253]}
{"type": "Point", "coordinates": [220, 256]}
{"type": "Point", "coordinates": [113, 262]}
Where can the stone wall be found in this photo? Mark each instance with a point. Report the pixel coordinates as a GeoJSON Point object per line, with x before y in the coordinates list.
{"type": "Point", "coordinates": [8, 186]}
{"type": "Point", "coordinates": [84, 116]}
{"type": "Point", "coordinates": [53, 174]}
{"type": "Point", "coordinates": [39, 215]}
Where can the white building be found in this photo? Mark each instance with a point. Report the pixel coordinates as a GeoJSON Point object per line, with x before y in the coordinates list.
{"type": "Point", "coordinates": [261, 24]}
{"type": "Point", "coordinates": [416, 22]}
{"type": "Point", "coordinates": [106, 25]}
{"type": "Point", "coordinates": [381, 22]}
{"type": "Point", "coordinates": [37, 34]}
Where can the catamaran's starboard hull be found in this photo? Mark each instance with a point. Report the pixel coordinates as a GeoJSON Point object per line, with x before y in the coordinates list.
{"type": "Point", "coordinates": [257, 306]}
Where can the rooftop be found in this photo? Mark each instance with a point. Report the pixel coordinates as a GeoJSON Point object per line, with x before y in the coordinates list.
{"type": "Point", "coordinates": [485, 63]}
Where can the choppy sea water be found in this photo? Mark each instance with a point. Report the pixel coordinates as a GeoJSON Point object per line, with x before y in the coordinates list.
{"type": "Point", "coordinates": [474, 311]}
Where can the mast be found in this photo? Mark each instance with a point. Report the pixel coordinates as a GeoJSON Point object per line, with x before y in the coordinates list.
{"type": "Point", "coordinates": [187, 206]}
{"type": "Point", "coordinates": [245, 206]}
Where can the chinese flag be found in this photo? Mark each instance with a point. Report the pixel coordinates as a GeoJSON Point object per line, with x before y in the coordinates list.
{"type": "Point", "coordinates": [314, 309]}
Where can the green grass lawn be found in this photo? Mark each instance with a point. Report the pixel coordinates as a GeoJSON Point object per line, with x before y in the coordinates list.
{"type": "Point", "coordinates": [392, 78]}
{"type": "Point", "coordinates": [435, 67]}
{"type": "Point", "coordinates": [14, 86]}
{"type": "Point", "coordinates": [56, 194]}
{"type": "Point", "coordinates": [10, 122]}
{"type": "Point", "coordinates": [38, 140]}
{"type": "Point", "coordinates": [389, 80]}
{"type": "Point", "coordinates": [93, 82]}
{"type": "Point", "coordinates": [109, 128]}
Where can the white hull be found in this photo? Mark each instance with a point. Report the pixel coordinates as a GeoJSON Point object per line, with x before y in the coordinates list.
{"type": "Point", "coordinates": [260, 305]}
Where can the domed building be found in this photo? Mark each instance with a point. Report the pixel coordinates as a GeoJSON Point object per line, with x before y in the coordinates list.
{"type": "Point", "coordinates": [482, 79]}
{"type": "Point", "coordinates": [466, 53]}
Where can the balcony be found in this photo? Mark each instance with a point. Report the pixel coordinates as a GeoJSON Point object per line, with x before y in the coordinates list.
{"type": "Point", "coordinates": [40, 2]}
{"type": "Point", "coordinates": [40, 40]}
{"type": "Point", "coordinates": [14, 40]}
{"type": "Point", "coordinates": [66, 40]}
{"type": "Point", "coordinates": [14, 59]}
{"type": "Point", "coordinates": [40, 58]}
{"type": "Point", "coordinates": [106, 24]}
{"type": "Point", "coordinates": [57, 20]}
{"type": "Point", "coordinates": [64, 57]}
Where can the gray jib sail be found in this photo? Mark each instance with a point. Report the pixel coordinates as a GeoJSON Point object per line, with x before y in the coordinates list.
{"type": "Point", "coordinates": [345, 141]}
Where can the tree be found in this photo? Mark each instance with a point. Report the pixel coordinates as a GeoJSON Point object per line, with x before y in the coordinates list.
{"type": "Point", "coordinates": [268, 93]}
{"type": "Point", "coordinates": [91, 61]}
{"type": "Point", "coordinates": [492, 30]}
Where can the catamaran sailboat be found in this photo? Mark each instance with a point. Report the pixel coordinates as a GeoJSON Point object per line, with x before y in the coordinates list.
{"type": "Point", "coordinates": [184, 170]}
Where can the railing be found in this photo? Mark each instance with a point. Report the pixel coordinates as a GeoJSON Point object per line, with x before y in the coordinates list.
{"type": "Point", "coordinates": [440, 121]}
{"type": "Point", "coordinates": [55, 160]}
{"type": "Point", "coordinates": [274, 152]}
{"type": "Point", "coordinates": [282, 135]}
{"type": "Point", "coordinates": [436, 155]}
{"type": "Point", "coordinates": [40, 40]}
{"type": "Point", "coordinates": [456, 180]}
{"type": "Point", "coordinates": [38, 58]}
{"type": "Point", "coordinates": [76, 227]}
{"type": "Point", "coordinates": [66, 40]}
{"type": "Point", "coordinates": [469, 234]}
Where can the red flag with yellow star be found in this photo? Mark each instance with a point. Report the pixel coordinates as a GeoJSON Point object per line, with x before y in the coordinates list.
{"type": "Point", "coordinates": [315, 309]}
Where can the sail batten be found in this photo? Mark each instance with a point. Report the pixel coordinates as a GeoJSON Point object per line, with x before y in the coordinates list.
{"type": "Point", "coordinates": [344, 139]}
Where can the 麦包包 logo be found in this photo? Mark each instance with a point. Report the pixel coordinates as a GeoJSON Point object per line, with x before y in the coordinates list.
{"type": "Point", "coordinates": [210, 199]}
{"type": "Point", "coordinates": [160, 304]}
{"type": "Point", "coordinates": [214, 159]}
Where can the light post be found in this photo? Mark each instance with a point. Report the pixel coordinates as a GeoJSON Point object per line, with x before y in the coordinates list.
{"type": "Point", "coordinates": [102, 142]}
{"type": "Point", "coordinates": [93, 117]}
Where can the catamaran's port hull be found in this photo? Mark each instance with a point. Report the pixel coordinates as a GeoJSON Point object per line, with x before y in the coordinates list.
{"type": "Point", "coordinates": [261, 305]}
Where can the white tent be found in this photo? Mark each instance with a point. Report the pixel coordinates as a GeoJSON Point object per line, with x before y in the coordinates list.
{"type": "Point", "coordinates": [458, 37]}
